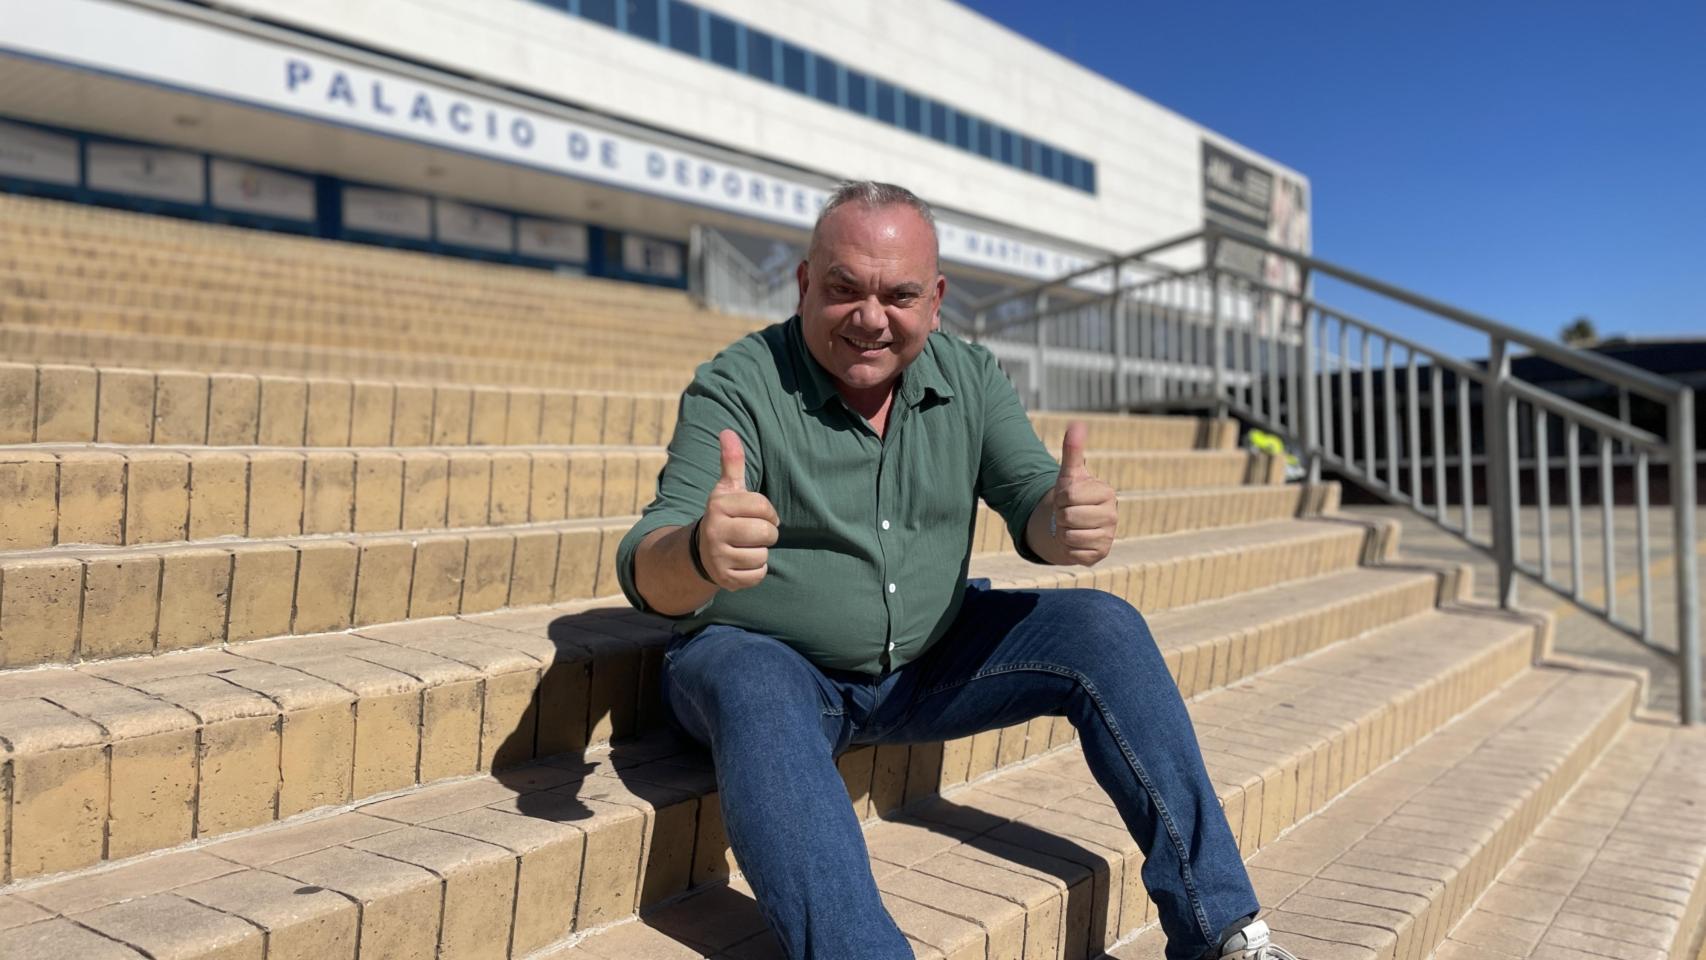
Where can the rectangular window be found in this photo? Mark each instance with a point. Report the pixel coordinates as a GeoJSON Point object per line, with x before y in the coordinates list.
{"type": "Point", "coordinates": [760, 55]}
{"type": "Point", "coordinates": [913, 112]}
{"type": "Point", "coordinates": [828, 87]}
{"type": "Point", "coordinates": [858, 92]}
{"type": "Point", "coordinates": [886, 95]}
{"type": "Point", "coordinates": [1089, 176]}
{"type": "Point", "coordinates": [725, 42]}
{"type": "Point", "coordinates": [793, 68]}
{"type": "Point", "coordinates": [1027, 154]}
{"type": "Point", "coordinates": [643, 19]}
{"type": "Point", "coordinates": [684, 27]}
{"type": "Point", "coordinates": [939, 121]}
{"type": "Point", "coordinates": [1045, 164]}
{"type": "Point", "coordinates": [962, 131]}
{"type": "Point", "coordinates": [986, 139]}
{"type": "Point", "coordinates": [603, 11]}
{"type": "Point", "coordinates": [1007, 147]}
{"type": "Point", "coordinates": [1068, 169]}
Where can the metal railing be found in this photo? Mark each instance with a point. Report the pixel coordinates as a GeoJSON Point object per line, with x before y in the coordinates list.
{"type": "Point", "coordinates": [725, 279]}
{"type": "Point", "coordinates": [1369, 403]}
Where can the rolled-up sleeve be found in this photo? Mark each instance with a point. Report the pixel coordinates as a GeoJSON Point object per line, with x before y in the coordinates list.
{"type": "Point", "coordinates": [709, 405]}
{"type": "Point", "coordinates": [1015, 470]}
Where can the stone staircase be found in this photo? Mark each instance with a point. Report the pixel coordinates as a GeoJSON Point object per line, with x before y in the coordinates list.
{"type": "Point", "coordinates": [330, 665]}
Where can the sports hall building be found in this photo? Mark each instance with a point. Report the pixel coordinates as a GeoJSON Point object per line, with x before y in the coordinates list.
{"type": "Point", "coordinates": [606, 136]}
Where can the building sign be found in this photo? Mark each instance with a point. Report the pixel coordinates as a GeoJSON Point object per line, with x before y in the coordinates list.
{"type": "Point", "coordinates": [33, 154]}
{"type": "Point", "coordinates": [1247, 198]}
{"type": "Point", "coordinates": [252, 189]}
{"type": "Point", "coordinates": [388, 212]}
{"type": "Point", "coordinates": [177, 52]}
{"type": "Point", "coordinates": [470, 226]}
{"type": "Point", "coordinates": [147, 172]}
{"type": "Point", "coordinates": [551, 240]}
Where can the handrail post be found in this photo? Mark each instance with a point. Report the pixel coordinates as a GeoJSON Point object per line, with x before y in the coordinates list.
{"type": "Point", "coordinates": [1496, 421]}
{"type": "Point", "coordinates": [1116, 314]}
{"type": "Point", "coordinates": [1039, 375]}
{"type": "Point", "coordinates": [1682, 495]}
{"type": "Point", "coordinates": [1217, 323]}
{"type": "Point", "coordinates": [979, 323]}
{"type": "Point", "coordinates": [1311, 398]}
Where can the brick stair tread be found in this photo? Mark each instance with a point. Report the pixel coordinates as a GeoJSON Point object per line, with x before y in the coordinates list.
{"type": "Point", "coordinates": [1033, 860]}
{"type": "Point", "coordinates": [623, 798]}
{"type": "Point", "coordinates": [1615, 871]}
{"type": "Point", "coordinates": [1384, 870]}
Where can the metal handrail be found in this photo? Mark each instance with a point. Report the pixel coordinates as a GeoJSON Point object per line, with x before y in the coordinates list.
{"type": "Point", "coordinates": [1270, 357]}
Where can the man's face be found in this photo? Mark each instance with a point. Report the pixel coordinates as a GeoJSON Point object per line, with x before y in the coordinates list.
{"type": "Point", "coordinates": [870, 295]}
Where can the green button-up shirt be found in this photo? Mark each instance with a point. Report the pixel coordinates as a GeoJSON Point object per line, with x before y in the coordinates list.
{"type": "Point", "coordinates": [875, 532]}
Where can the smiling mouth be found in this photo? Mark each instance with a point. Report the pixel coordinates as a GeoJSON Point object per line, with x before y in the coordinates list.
{"type": "Point", "coordinates": [865, 344]}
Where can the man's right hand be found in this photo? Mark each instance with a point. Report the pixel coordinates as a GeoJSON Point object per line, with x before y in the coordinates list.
{"type": "Point", "coordinates": [739, 526]}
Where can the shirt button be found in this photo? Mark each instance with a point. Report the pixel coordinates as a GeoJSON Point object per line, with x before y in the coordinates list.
{"type": "Point", "coordinates": [891, 588]}
{"type": "Point", "coordinates": [885, 524]}
{"type": "Point", "coordinates": [891, 645]}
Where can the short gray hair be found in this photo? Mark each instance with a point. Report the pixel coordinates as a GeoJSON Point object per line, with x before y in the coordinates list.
{"type": "Point", "coordinates": [873, 195]}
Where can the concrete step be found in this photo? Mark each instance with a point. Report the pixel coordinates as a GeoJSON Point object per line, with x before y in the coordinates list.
{"type": "Point", "coordinates": [1615, 871]}
{"type": "Point", "coordinates": [529, 856]}
{"type": "Point", "coordinates": [1387, 870]}
{"type": "Point", "coordinates": [1037, 862]}
{"type": "Point", "coordinates": [57, 494]}
{"type": "Point", "coordinates": [72, 604]}
{"type": "Point", "coordinates": [156, 750]}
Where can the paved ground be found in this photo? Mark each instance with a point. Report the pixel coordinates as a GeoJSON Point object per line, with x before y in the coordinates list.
{"type": "Point", "coordinates": [1579, 632]}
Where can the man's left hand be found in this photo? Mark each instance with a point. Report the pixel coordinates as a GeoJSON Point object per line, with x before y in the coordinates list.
{"type": "Point", "coordinates": [1085, 511]}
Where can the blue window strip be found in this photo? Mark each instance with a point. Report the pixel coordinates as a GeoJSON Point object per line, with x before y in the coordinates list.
{"type": "Point", "coordinates": [735, 46]}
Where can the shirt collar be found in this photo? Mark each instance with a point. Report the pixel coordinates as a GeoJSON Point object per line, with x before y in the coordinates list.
{"type": "Point", "coordinates": [817, 387]}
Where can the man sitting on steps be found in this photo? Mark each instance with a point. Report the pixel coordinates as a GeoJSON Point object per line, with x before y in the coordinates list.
{"type": "Point", "coordinates": [812, 533]}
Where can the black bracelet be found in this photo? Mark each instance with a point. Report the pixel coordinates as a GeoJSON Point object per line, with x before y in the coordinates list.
{"type": "Point", "coordinates": [693, 551]}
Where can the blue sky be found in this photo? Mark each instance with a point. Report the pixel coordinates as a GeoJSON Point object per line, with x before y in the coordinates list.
{"type": "Point", "coordinates": [1529, 161]}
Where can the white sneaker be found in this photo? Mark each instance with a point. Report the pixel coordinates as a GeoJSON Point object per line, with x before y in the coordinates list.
{"type": "Point", "coordinates": [1251, 943]}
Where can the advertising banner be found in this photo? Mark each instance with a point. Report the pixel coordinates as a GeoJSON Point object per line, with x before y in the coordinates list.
{"type": "Point", "coordinates": [32, 154]}
{"type": "Point", "coordinates": [551, 240]}
{"type": "Point", "coordinates": [471, 226]}
{"type": "Point", "coordinates": [252, 189]}
{"type": "Point", "coordinates": [388, 212]}
{"type": "Point", "coordinates": [147, 172]}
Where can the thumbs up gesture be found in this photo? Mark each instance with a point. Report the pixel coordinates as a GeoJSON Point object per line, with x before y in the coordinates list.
{"type": "Point", "coordinates": [738, 527]}
{"type": "Point", "coordinates": [1085, 512]}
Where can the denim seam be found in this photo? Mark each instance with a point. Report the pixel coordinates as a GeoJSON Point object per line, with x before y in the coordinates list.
{"type": "Point", "coordinates": [1131, 758]}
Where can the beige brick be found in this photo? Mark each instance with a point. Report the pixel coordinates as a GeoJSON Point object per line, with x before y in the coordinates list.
{"type": "Point", "coordinates": [437, 587]}
{"type": "Point", "coordinates": [615, 838]}
{"type": "Point", "coordinates": [577, 564]}
{"type": "Point", "coordinates": [609, 539]}
{"type": "Point", "coordinates": [511, 487]}
{"type": "Point", "coordinates": [470, 488]}
{"type": "Point", "coordinates": [167, 925]}
{"type": "Point", "coordinates": [451, 413]}
{"type": "Point", "coordinates": [550, 864]}
{"type": "Point", "coordinates": [120, 606]}
{"type": "Point", "coordinates": [535, 568]}
{"type": "Point", "coordinates": [400, 902]}
{"type": "Point", "coordinates": [65, 404]}
{"type": "Point", "coordinates": [325, 586]}
{"type": "Point", "coordinates": [238, 759]}
{"type": "Point", "coordinates": [233, 409]}
{"type": "Point", "coordinates": [328, 417]}
{"type": "Point", "coordinates": [586, 483]}
{"type": "Point", "coordinates": [490, 416]}
{"type": "Point", "coordinates": [370, 414]}
{"type": "Point", "coordinates": [588, 423]}
{"type": "Point", "coordinates": [316, 752]}
{"type": "Point", "coordinates": [283, 412]}
{"type": "Point", "coordinates": [91, 498]}
{"type": "Point", "coordinates": [158, 497]}
{"type": "Point", "coordinates": [426, 490]}
{"type": "Point", "coordinates": [59, 937]}
{"type": "Point", "coordinates": [485, 584]}
{"type": "Point", "coordinates": [275, 494]}
{"type": "Point", "coordinates": [508, 720]}
{"type": "Point", "coordinates": [378, 492]}
{"type": "Point", "coordinates": [618, 497]}
{"type": "Point", "coordinates": [450, 730]}
{"type": "Point", "coordinates": [263, 590]}
{"type": "Point", "coordinates": [647, 468]}
{"type": "Point", "coordinates": [383, 579]}
{"type": "Point", "coordinates": [618, 420]}
{"type": "Point", "coordinates": [557, 418]}
{"type": "Point", "coordinates": [328, 492]}
{"type": "Point", "coordinates": [29, 507]}
{"type": "Point", "coordinates": [479, 886]}
{"type": "Point", "coordinates": [17, 402]}
{"type": "Point", "coordinates": [195, 586]}
{"type": "Point", "coordinates": [548, 487]}
{"type": "Point", "coordinates": [39, 602]}
{"type": "Point", "coordinates": [387, 742]}
{"type": "Point", "coordinates": [152, 793]}
{"type": "Point", "coordinates": [219, 495]}
{"type": "Point", "coordinates": [521, 424]}
{"type": "Point", "coordinates": [126, 406]}
{"type": "Point", "coordinates": [301, 922]}
{"type": "Point", "coordinates": [648, 422]}
{"type": "Point", "coordinates": [59, 803]}
{"type": "Point", "coordinates": [412, 419]}
{"type": "Point", "coordinates": [180, 408]}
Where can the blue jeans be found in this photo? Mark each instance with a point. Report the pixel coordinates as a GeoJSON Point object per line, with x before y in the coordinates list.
{"type": "Point", "coordinates": [775, 723]}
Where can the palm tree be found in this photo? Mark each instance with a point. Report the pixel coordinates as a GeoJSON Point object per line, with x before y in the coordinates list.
{"type": "Point", "coordinates": [1579, 333]}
